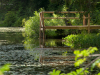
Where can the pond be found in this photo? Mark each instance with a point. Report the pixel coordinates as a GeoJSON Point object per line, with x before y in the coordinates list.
{"type": "Point", "coordinates": [27, 58]}
{"type": "Point", "coordinates": [23, 54]}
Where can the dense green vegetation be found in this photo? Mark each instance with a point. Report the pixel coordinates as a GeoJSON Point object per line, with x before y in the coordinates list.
{"type": "Point", "coordinates": [83, 40]}
{"type": "Point", "coordinates": [12, 12]}
{"type": "Point", "coordinates": [18, 13]}
{"type": "Point", "coordinates": [32, 24]}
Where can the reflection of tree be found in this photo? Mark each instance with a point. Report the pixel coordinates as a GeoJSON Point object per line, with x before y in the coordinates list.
{"type": "Point", "coordinates": [12, 37]}
{"type": "Point", "coordinates": [59, 43]}
{"type": "Point", "coordinates": [54, 42]}
{"type": "Point", "coordinates": [31, 44]}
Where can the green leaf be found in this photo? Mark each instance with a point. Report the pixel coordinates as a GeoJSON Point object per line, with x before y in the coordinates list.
{"type": "Point", "coordinates": [55, 72]}
{"type": "Point", "coordinates": [79, 62]}
{"type": "Point", "coordinates": [6, 67]}
{"type": "Point", "coordinates": [73, 72]}
{"type": "Point", "coordinates": [1, 73]}
{"type": "Point", "coordinates": [64, 54]}
{"type": "Point", "coordinates": [98, 73]}
{"type": "Point", "coordinates": [94, 64]}
{"type": "Point", "coordinates": [79, 70]}
{"type": "Point", "coordinates": [76, 52]}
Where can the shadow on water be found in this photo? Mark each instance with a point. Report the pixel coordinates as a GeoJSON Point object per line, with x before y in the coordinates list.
{"type": "Point", "coordinates": [24, 54]}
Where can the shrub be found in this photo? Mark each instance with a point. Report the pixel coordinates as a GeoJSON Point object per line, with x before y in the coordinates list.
{"type": "Point", "coordinates": [18, 22]}
{"type": "Point", "coordinates": [83, 40]}
{"type": "Point", "coordinates": [32, 26]}
{"type": "Point", "coordinates": [10, 18]}
{"type": "Point", "coordinates": [33, 23]}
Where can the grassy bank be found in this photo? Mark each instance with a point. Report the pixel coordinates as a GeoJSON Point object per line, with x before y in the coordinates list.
{"type": "Point", "coordinates": [12, 29]}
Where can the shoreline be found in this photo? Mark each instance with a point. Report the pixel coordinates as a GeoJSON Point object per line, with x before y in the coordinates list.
{"type": "Point", "coordinates": [12, 29]}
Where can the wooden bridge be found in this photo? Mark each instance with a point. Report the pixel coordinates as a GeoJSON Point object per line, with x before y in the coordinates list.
{"type": "Point", "coordinates": [43, 27]}
{"type": "Point", "coordinates": [43, 59]}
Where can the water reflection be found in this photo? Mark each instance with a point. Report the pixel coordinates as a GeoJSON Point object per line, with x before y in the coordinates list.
{"type": "Point", "coordinates": [10, 38]}
{"type": "Point", "coordinates": [54, 43]}
{"type": "Point", "coordinates": [22, 54]}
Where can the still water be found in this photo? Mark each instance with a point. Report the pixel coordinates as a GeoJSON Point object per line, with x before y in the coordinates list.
{"type": "Point", "coordinates": [24, 54]}
{"type": "Point", "coordinates": [28, 57]}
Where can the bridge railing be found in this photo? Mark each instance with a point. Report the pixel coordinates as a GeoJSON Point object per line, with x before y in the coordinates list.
{"type": "Point", "coordinates": [84, 26]}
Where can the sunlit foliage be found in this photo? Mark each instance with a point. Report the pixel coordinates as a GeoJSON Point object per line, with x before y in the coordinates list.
{"type": "Point", "coordinates": [80, 57]}
{"type": "Point", "coordinates": [6, 67]}
{"type": "Point", "coordinates": [83, 40]}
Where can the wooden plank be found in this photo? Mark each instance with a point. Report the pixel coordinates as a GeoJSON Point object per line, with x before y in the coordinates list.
{"type": "Point", "coordinates": [61, 17]}
{"type": "Point", "coordinates": [66, 57]}
{"type": "Point", "coordinates": [94, 26]}
{"type": "Point", "coordinates": [58, 57]}
{"type": "Point", "coordinates": [59, 62]}
{"type": "Point", "coordinates": [88, 22]}
{"type": "Point", "coordinates": [72, 27]}
{"type": "Point", "coordinates": [63, 12]}
{"type": "Point", "coordinates": [66, 27]}
{"type": "Point", "coordinates": [83, 20]}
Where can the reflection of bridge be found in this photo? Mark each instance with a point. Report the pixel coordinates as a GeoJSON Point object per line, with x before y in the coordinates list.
{"type": "Point", "coordinates": [54, 57]}
{"type": "Point", "coordinates": [64, 59]}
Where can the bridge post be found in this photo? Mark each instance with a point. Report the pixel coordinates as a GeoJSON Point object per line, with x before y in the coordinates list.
{"type": "Point", "coordinates": [84, 20]}
{"type": "Point", "coordinates": [40, 27]}
{"type": "Point", "coordinates": [42, 30]}
{"type": "Point", "coordinates": [88, 22]}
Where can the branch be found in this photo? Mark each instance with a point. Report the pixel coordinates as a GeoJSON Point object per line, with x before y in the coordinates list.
{"type": "Point", "coordinates": [88, 65]}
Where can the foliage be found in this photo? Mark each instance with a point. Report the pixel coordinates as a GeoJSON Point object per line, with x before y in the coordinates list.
{"type": "Point", "coordinates": [10, 18]}
{"type": "Point", "coordinates": [95, 18]}
{"type": "Point", "coordinates": [78, 71]}
{"type": "Point", "coordinates": [17, 37]}
{"type": "Point", "coordinates": [98, 73]}
{"type": "Point", "coordinates": [64, 54]}
{"type": "Point", "coordinates": [22, 9]}
{"type": "Point", "coordinates": [32, 26]}
{"type": "Point", "coordinates": [18, 22]}
{"type": "Point", "coordinates": [82, 5]}
{"type": "Point", "coordinates": [4, 68]}
{"type": "Point", "coordinates": [56, 72]}
{"type": "Point", "coordinates": [80, 57]}
{"type": "Point", "coordinates": [83, 40]}
{"type": "Point", "coordinates": [31, 44]}
{"type": "Point", "coordinates": [50, 33]}
{"type": "Point", "coordinates": [96, 63]}
{"type": "Point", "coordinates": [26, 8]}
{"type": "Point", "coordinates": [54, 22]}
